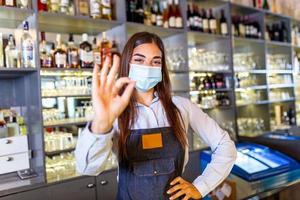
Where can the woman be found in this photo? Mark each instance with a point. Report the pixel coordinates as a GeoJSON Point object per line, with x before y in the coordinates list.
{"type": "Point", "coordinates": [138, 119]}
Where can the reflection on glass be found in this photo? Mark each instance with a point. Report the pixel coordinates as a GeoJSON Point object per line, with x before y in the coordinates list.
{"type": "Point", "coordinates": [250, 126]}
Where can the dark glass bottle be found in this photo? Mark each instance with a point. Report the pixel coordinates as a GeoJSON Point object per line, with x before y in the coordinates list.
{"type": "Point", "coordinates": [266, 5]}
{"type": "Point", "coordinates": [212, 22]}
{"type": "Point", "coordinates": [73, 55]}
{"type": "Point", "coordinates": [205, 22]}
{"type": "Point", "coordinates": [223, 24]}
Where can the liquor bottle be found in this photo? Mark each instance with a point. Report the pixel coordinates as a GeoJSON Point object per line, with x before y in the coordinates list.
{"type": "Point", "coordinates": [114, 49]}
{"type": "Point", "coordinates": [59, 54]}
{"type": "Point", "coordinates": [153, 14]}
{"type": "Point", "coordinates": [165, 15]}
{"type": "Point", "coordinates": [283, 33]}
{"type": "Point", "coordinates": [198, 20]}
{"type": "Point", "coordinates": [266, 5]}
{"type": "Point", "coordinates": [43, 50]}
{"type": "Point", "coordinates": [105, 48]}
{"type": "Point", "coordinates": [42, 5]}
{"type": "Point", "coordinates": [82, 7]}
{"type": "Point", "coordinates": [172, 17]}
{"type": "Point", "coordinates": [95, 9]}
{"type": "Point", "coordinates": [2, 2]}
{"type": "Point", "coordinates": [139, 12]}
{"type": "Point", "coordinates": [10, 3]}
{"type": "Point", "coordinates": [130, 10]}
{"type": "Point", "coordinates": [205, 22]}
{"type": "Point", "coordinates": [54, 6]}
{"type": "Point", "coordinates": [73, 55]}
{"type": "Point", "coordinates": [190, 17]}
{"type": "Point", "coordinates": [106, 11]}
{"type": "Point", "coordinates": [1, 51]}
{"type": "Point", "coordinates": [64, 6]}
{"type": "Point", "coordinates": [259, 4]}
{"type": "Point", "coordinates": [159, 17]}
{"type": "Point", "coordinates": [223, 24]}
{"type": "Point", "coordinates": [178, 16]}
{"type": "Point", "coordinates": [247, 27]}
{"type": "Point", "coordinates": [12, 55]}
{"type": "Point", "coordinates": [86, 53]}
{"type": "Point", "coordinates": [23, 4]}
{"type": "Point", "coordinates": [96, 52]}
{"type": "Point", "coordinates": [50, 55]}
{"type": "Point", "coordinates": [254, 3]}
{"type": "Point", "coordinates": [212, 22]}
{"type": "Point", "coordinates": [276, 33]}
{"type": "Point", "coordinates": [242, 29]}
{"type": "Point", "coordinates": [27, 47]}
{"type": "Point", "coordinates": [147, 14]}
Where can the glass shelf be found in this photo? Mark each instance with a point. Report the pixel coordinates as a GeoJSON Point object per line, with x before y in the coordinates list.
{"type": "Point", "coordinates": [278, 86]}
{"type": "Point", "coordinates": [243, 40]}
{"type": "Point", "coordinates": [54, 153]}
{"type": "Point", "coordinates": [13, 17]}
{"type": "Point", "coordinates": [62, 23]}
{"type": "Point", "coordinates": [66, 72]}
{"type": "Point", "coordinates": [255, 87]}
{"type": "Point", "coordinates": [66, 122]}
{"type": "Point", "coordinates": [67, 95]}
{"type": "Point", "coordinates": [275, 44]}
{"type": "Point", "coordinates": [133, 27]}
{"type": "Point", "coordinates": [253, 71]}
{"type": "Point", "coordinates": [200, 37]}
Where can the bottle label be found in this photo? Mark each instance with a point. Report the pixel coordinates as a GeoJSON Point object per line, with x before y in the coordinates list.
{"type": "Point", "coordinates": [95, 8]}
{"type": "Point", "coordinates": [178, 22]}
{"type": "Point", "coordinates": [64, 3]}
{"type": "Point", "coordinates": [27, 52]}
{"type": "Point", "coordinates": [97, 58]}
{"type": "Point", "coordinates": [159, 20]}
{"type": "Point", "coordinates": [224, 30]}
{"type": "Point", "coordinates": [205, 24]}
{"type": "Point", "coordinates": [153, 18]}
{"type": "Point", "coordinates": [191, 22]}
{"type": "Point", "coordinates": [242, 29]}
{"type": "Point", "coordinates": [24, 3]}
{"type": "Point", "coordinates": [86, 56]}
{"type": "Point", "coordinates": [166, 24]}
{"type": "Point", "coordinates": [212, 24]}
{"type": "Point", "coordinates": [43, 1]}
{"type": "Point", "coordinates": [60, 59]}
{"type": "Point", "coordinates": [105, 3]}
{"type": "Point", "coordinates": [83, 8]}
{"type": "Point", "coordinates": [54, 2]}
{"type": "Point", "coordinates": [172, 22]}
{"type": "Point", "coordinates": [73, 58]}
{"type": "Point", "coordinates": [106, 11]}
{"type": "Point", "coordinates": [9, 2]}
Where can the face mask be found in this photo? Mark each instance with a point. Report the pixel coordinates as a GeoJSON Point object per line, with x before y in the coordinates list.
{"type": "Point", "coordinates": [146, 77]}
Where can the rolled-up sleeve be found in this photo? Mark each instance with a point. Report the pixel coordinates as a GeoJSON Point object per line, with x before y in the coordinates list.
{"type": "Point", "coordinates": [92, 151]}
{"type": "Point", "coordinates": [223, 148]}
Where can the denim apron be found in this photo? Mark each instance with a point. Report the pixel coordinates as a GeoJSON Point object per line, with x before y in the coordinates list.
{"type": "Point", "coordinates": [147, 173]}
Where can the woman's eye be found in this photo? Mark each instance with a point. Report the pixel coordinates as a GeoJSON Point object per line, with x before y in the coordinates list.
{"type": "Point", "coordinates": [157, 62]}
{"type": "Point", "coordinates": [138, 60]}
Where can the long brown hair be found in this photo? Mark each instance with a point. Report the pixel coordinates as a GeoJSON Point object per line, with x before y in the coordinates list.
{"type": "Point", "coordinates": [163, 89]}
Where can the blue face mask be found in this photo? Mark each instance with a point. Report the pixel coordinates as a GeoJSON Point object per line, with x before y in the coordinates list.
{"type": "Point", "coordinates": [146, 77]}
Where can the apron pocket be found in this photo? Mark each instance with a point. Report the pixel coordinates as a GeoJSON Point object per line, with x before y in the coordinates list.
{"type": "Point", "coordinates": [151, 179]}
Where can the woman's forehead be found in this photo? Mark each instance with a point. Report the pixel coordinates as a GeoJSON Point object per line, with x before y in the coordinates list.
{"type": "Point", "coordinates": [148, 50]}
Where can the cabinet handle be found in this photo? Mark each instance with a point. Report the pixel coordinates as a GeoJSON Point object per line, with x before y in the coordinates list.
{"type": "Point", "coordinates": [8, 141]}
{"type": "Point", "coordinates": [8, 159]}
{"type": "Point", "coordinates": [103, 182]}
{"type": "Point", "coordinates": [91, 185]}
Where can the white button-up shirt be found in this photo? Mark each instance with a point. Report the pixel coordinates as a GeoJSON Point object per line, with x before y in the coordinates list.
{"type": "Point", "coordinates": [92, 150]}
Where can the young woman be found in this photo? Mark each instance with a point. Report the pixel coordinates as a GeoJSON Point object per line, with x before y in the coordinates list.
{"type": "Point", "coordinates": [137, 118]}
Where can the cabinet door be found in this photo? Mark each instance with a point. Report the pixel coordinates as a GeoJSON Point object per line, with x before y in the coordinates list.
{"type": "Point", "coordinates": [36, 194]}
{"type": "Point", "coordinates": [83, 188]}
{"type": "Point", "coordinates": [192, 169]}
{"type": "Point", "coordinates": [107, 185]}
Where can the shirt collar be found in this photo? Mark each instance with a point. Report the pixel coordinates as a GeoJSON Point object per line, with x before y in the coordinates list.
{"type": "Point", "coordinates": [154, 100]}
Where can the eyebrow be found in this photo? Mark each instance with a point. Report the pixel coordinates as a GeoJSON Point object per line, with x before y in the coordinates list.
{"type": "Point", "coordinates": [141, 55]}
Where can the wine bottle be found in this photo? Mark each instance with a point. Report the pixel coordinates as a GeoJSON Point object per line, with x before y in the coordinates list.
{"type": "Point", "coordinates": [212, 23]}
{"type": "Point", "coordinates": [86, 53]}
{"type": "Point", "coordinates": [165, 15]}
{"type": "Point", "coordinates": [106, 9]}
{"type": "Point", "coordinates": [153, 13]}
{"type": "Point", "coordinates": [42, 5]}
{"type": "Point", "coordinates": [266, 5]}
{"type": "Point", "coordinates": [159, 17]}
{"type": "Point", "coordinates": [60, 55]}
{"type": "Point", "coordinates": [172, 17]}
{"type": "Point", "coordinates": [178, 16]}
{"type": "Point", "coordinates": [223, 24]}
{"type": "Point", "coordinates": [105, 48]}
{"type": "Point", "coordinates": [73, 55]}
{"type": "Point", "coordinates": [205, 22]}
{"type": "Point", "coordinates": [190, 18]}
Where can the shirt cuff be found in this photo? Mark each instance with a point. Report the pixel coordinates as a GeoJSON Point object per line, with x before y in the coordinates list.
{"type": "Point", "coordinates": [201, 186]}
{"type": "Point", "coordinates": [97, 135]}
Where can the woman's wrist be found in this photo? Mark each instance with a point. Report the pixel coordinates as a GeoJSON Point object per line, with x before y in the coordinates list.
{"type": "Point", "coordinates": [98, 128]}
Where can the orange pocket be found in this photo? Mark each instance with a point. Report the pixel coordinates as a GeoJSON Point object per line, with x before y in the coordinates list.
{"type": "Point", "coordinates": [152, 141]}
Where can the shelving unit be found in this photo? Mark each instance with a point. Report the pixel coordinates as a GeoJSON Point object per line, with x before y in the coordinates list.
{"type": "Point", "coordinates": [16, 84]}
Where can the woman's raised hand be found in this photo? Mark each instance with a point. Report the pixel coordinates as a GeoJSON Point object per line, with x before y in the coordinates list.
{"type": "Point", "coordinates": [107, 103]}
